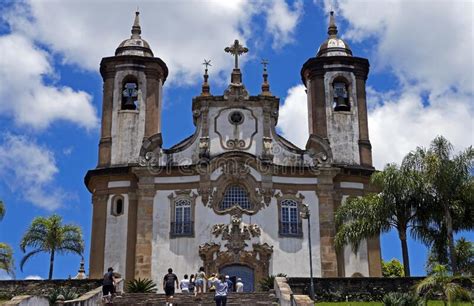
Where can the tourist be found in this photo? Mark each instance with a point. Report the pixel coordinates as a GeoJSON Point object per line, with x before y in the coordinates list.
{"type": "Point", "coordinates": [168, 286]}
{"type": "Point", "coordinates": [108, 285]}
{"type": "Point", "coordinates": [184, 284]}
{"type": "Point", "coordinates": [191, 283]}
{"type": "Point", "coordinates": [211, 282]}
{"type": "Point", "coordinates": [230, 284]}
{"type": "Point", "coordinates": [200, 279]}
{"type": "Point", "coordinates": [221, 289]}
{"type": "Point", "coordinates": [239, 286]}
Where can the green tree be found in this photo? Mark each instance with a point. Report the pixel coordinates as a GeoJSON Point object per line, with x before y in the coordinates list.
{"type": "Point", "coordinates": [464, 254]}
{"type": "Point", "coordinates": [443, 285]}
{"type": "Point", "coordinates": [392, 268]}
{"type": "Point", "coordinates": [49, 235]}
{"type": "Point", "coordinates": [450, 187]}
{"type": "Point", "coordinates": [396, 206]}
{"type": "Point", "coordinates": [6, 253]}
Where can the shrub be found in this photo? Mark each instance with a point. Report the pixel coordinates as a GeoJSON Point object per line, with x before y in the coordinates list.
{"type": "Point", "coordinates": [392, 268]}
{"type": "Point", "coordinates": [400, 299]}
{"type": "Point", "coordinates": [267, 283]}
{"type": "Point", "coordinates": [68, 293]}
{"type": "Point", "coordinates": [141, 286]}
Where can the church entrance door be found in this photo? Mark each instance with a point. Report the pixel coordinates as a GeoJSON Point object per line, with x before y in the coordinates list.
{"type": "Point", "coordinates": [240, 271]}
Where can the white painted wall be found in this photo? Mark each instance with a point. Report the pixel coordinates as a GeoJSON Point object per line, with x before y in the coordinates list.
{"type": "Point", "coordinates": [182, 254]}
{"type": "Point", "coordinates": [116, 237]}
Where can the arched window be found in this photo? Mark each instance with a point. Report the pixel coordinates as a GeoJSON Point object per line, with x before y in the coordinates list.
{"type": "Point", "coordinates": [341, 96]}
{"type": "Point", "coordinates": [235, 195]}
{"type": "Point", "coordinates": [290, 221]}
{"type": "Point", "coordinates": [117, 206]}
{"type": "Point", "coordinates": [182, 225]}
{"type": "Point", "coordinates": [130, 93]}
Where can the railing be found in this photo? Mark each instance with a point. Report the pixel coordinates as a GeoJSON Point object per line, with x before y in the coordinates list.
{"type": "Point", "coordinates": [179, 229]}
{"type": "Point", "coordinates": [291, 229]}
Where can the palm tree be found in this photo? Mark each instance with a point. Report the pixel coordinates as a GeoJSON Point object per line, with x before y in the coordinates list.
{"type": "Point", "coordinates": [451, 187]}
{"type": "Point", "coordinates": [396, 206]}
{"type": "Point", "coordinates": [6, 253]}
{"type": "Point", "coordinates": [49, 235]}
{"type": "Point", "coordinates": [440, 283]}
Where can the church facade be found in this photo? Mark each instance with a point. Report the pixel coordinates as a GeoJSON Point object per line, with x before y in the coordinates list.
{"type": "Point", "coordinates": [234, 197]}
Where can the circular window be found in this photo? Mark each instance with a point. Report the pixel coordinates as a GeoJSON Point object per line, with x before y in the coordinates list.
{"type": "Point", "coordinates": [236, 117]}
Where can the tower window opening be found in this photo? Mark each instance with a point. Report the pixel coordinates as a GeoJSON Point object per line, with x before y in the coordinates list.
{"type": "Point", "coordinates": [117, 206]}
{"type": "Point", "coordinates": [130, 95]}
{"type": "Point", "coordinates": [341, 97]}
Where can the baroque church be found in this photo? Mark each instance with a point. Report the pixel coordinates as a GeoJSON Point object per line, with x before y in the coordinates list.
{"type": "Point", "coordinates": [235, 197]}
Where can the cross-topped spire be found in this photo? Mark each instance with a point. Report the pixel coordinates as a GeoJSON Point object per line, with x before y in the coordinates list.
{"type": "Point", "coordinates": [205, 86]}
{"type": "Point", "coordinates": [236, 49]}
{"type": "Point", "coordinates": [265, 85]}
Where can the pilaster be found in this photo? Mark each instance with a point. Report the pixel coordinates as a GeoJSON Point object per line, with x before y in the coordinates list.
{"type": "Point", "coordinates": [99, 223]}
{"type": "Point", "coordinates": [144, 233]}
{"type": "Point", "coordinates": [327, 225]}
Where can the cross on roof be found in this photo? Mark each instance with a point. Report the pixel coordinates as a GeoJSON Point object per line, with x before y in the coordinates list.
{"type": "Point", "coordinates": [207, 63]}
{"type": "Point", "coordinates": [264, 62]}
{"type": "Point", "coordinates": [236, 49]}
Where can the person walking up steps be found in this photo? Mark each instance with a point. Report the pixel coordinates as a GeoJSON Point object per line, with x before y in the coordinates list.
{"type": "Point", "coordinates": [210, 283]}
{"type": "Point", "coordinates": [168, 286]}
{"type": "Point", "coordinates": [191, 283]}
{"type": "Point", "coordinates": [239, 286]}
{"type": "Point", "coordinates": [221, 291]}
{"type": "Point", "coordinates": [200, 279]}
{"type": "Point", "coordinates": [184, 284]}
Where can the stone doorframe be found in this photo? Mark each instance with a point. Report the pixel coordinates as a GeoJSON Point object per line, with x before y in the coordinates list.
{"type": "Point", "coordinates": [236, 234]}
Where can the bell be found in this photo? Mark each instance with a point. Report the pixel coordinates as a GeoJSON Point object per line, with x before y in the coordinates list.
{"type": "Point", "coordinates": [342, 104]}
{"type": "Point", "coordinates": [129, 104]}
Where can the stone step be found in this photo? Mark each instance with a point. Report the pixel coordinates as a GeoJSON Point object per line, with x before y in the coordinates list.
{"type": "Point", "coordinates": [181, 299]}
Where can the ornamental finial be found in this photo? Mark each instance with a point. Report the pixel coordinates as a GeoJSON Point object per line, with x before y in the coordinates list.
{"type": "Point", "coordinates": [205, 85]}
{"type": "Point", "coordinates": [332, 29]}
{"type": "Point", "coordinates": [136, 29]}
{"type": "Point", "coordinates": [265, 85]}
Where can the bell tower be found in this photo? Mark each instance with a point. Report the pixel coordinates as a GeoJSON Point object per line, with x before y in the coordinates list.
{"type": "Point", "coordinates": [132, 99]}
{"type": "Point", "coordinates": [337, 107]}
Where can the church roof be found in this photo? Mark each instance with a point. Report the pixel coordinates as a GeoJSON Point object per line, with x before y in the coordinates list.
{"type": "Point", "coordinates": [333, 45]}
{"type": "Point", "coordinates": [135, 45]}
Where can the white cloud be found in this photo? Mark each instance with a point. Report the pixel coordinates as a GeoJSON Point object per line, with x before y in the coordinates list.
{"type": "Point", "coordinates": [293, 119]}
{"type": "Point", "coordinates": [182, 33]}
{"type": "Point", "coordinates": [33, 277]}
{"type": "Point", "coordinates": [282, 21]}
{"type": "Point", "coordinates": [29, 169]}
{"type": "Point", "coordinates": [26, 96]}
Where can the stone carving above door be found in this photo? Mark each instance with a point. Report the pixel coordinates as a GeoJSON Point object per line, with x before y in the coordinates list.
{"type": "Point", "coordinates": [236, 234]}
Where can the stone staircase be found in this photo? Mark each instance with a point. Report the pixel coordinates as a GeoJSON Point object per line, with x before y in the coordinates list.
{"type": "Point", "coordinates": [234, 298]}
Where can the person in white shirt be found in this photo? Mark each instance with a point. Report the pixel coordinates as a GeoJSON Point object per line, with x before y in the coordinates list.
{"type": "Point", "coordinates": [184, 284]}
{"type": "Point", "coordinates": [221, 291]}
{"type": "Point", "coordinates": [239, 286]}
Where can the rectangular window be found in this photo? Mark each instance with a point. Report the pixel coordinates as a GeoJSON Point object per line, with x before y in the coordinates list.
{"type": "Point", "coordinates": [290, 223]}
{"type": "Point", "coordinates": [182, 224]}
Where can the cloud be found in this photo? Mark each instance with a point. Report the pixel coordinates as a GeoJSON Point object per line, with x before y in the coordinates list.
{"type": "Point", "coordinates": [27, 97]}
{"type": "Point", "coordinates": [33, 277]}
{"type": "Point", "coordinates": [282, 21]}
{"type": "Point", "coordinates": [29, 169]}
{"type": "Point", "coordinates": [182, 33]}
{"type": "Point", "coordinates": [293, 118]}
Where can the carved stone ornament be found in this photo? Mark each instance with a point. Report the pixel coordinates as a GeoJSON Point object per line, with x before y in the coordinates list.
{"type": "Point", "coordinates": [320, 151]}
{"type": "Point", "coordinates": [236, 234]}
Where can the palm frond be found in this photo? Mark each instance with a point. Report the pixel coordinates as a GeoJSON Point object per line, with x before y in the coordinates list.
{"type": "Point", "coordinates": [28, 256]}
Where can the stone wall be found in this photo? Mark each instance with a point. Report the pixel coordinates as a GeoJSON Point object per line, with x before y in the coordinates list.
{"type": "Point", "coordinates": [355, 289]}
{"type": "Point", "coordinates": [11, 288]}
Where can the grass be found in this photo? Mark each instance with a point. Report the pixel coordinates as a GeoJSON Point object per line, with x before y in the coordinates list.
{"type": "Point", "coordinates": [430, 303]}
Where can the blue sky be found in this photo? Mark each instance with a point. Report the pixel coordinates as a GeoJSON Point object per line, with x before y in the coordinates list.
{"type": "Point", "coordinates": [420, 86]}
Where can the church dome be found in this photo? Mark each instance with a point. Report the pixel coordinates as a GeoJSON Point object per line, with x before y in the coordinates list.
{"type": "Point", "coordinates": [135, 45]}
{"type": "Point", "coordinates": [333, 46]}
